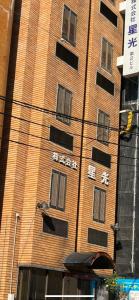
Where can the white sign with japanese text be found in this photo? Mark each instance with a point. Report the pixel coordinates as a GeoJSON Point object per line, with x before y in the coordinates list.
{"type": "Point", "coordinates": [62, 159]}
{"type": "Point", "coordinates": [92, 175]}
{"type": "Point", "coordinates": [131, 38]}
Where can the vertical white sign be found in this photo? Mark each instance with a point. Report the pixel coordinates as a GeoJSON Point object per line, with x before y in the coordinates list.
{"type": "Point", "coordinates": [134, 295]}
{"type": "Point", "coordinates": [131, 38]}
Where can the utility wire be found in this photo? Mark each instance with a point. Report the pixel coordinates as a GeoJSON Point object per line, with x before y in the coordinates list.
{"type": "Point", "coordinates": [52, 112]}
{"type": "Point", "coordinates": [63, 143]}
{"type": "Point", "coordinates": [48, 126]}
{"type": "Point", "coordinates": [59, 152]}
{"type": "Point", "coordinates": [73, 134]}
{"type": "Point", "coordinates": [56, 114]}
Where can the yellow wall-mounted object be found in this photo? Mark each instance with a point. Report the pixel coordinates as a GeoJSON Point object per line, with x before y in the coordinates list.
{"type": "Point", "coordinates": [129, 123]}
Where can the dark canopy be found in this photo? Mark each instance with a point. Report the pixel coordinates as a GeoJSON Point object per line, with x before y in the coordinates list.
{"type": "Point", "coordinates": [86, 261]}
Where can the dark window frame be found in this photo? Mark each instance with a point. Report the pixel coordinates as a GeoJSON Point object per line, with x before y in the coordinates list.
{"type": "Point", "coordinates": [105, 129]}
{"type": "Point", "coordinates": [109, 51]}
{"type": "Point", "coordinates": [67, 56]}
{"type": "Point", "coordinates": [129, 90]}
{"type": "Point", "coordinates": [67, 35]}
{"type": "Point", "coordinates": [99, 219]}
{"type": "Point", "coordinates": [57, 135]}
{"type": "Point", "coordinates": [64, 196]}
{"type": "Point", "coordinates": [101, 157]}
{"type": "Point", "coordinates": [55, 226]}
{"type": "Point", "coordinates": [97, 237]}
{"type": "Point", "coordinates": [111, 17]}
{"type": "Point", "coordinates": [105, 84]}
{"type": "Point", "coordinates": [30, 278]}
{"type": "Point", "coordinates": [60, 115]}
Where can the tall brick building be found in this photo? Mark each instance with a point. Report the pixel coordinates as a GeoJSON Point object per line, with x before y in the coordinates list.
{"type": "Point", "coordinates": [6, 18]}
{"type": "Point", "coordinates": [59, 148]}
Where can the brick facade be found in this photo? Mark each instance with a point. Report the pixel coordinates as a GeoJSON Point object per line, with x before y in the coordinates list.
{"type": "Point", "coordinates": [34, 75]}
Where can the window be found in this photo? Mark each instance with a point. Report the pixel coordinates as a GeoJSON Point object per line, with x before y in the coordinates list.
{"type": "Point", "coordinates": [101, 157]}
{"type": "Point", "coordinates": [31, 284]}
{"type": "Point", "coordinates": [23, 284]}
{"type": "Point", "coordinates": [99, 205]}
{"type": "Point", "coordinates": [61, 138]}
{"type": "Point", "coordinates": [64, 98]}
{"type": "Point", "coordinates": [97, 237]}
{"type": "Point", "coordinates": [58, 190]}
{"type": "Point", "coordinates": [106, 55]}
{"type": "Point", "coordinates": [55, 226]}
{"type": "Point", "coordinates": [129, 89]}
{"type": "Point", "coordinates": [70, 286]}
{"type": "Point", "coordinates": [37, 283]}
{"type": "Point", "coordinates": [67, 56]}
{"type": "Point", "coordinates": [103, 132]}
{"type": "Point", "coordinates": [105, 83]}
{"type": "Point", "coordinates": [105, 11]}
{"type": "Point", "coordinates": [54, 284]}
{"type": "Point", "coordinates": [69, 25]}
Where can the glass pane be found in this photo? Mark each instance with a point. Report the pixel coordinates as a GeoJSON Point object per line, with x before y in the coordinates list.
{"type": "Point", "coordinates": [84, 287]}
{"type": "Point", "coordinates": [37, 284]}
{"type": "Point", "coordinates": [72, 33]}
{"type": "Point", "coordinates": [106, 130]}
{"type": "Point", "coordinates": [62, 191]}
{"type": "Point", "coordinates": [23, 285]}
{"type": "Point", "coordinates": [54, 286]}
{"type": "Point", "coordinates": [40, 284]}
{"type": "Point", "coordinates": [103, 55]}
{"type": "Point", "coordinates": [67, 106]}
{"type": "Point", "coordinates": [70, 286]}
{"type": "Point", "coordinates": [96, 204]}
{"type": "Point", "coordinates": [130, 88]}
{"type": "Point", "coordinates": [102, 206]}
{"type": "Point", "coordinates": [109, 58]}
{"type": "Point", "coordinates": [100, 130]}
{"type": "Point", "coordinates": [65, 28]}
{"type": "Point", "coordinates": [60, 102]}
{"type": "Point", "coordinates": [54, 188]}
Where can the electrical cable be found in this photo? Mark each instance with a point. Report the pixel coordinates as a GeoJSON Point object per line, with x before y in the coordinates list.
{"type": "Point", "coordinates": [47, 111]}
{"type": "Point", "coordinates": [52, 112]}
{"type": "Point", "coordinates": [59, 114]}
{"type": "Point", "coordinates": [61, 152]}
{"type": "Point", "coordinates": [50, 141]}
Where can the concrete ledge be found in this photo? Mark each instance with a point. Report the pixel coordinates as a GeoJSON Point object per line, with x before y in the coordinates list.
{"type": "Point", "coordinates": [122, 7]}
{"type": "Point", "coordinates": [120, 61]}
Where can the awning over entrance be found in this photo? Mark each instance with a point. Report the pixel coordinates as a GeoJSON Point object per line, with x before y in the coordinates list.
{"type": "Point", "coordinates": [84, 262]}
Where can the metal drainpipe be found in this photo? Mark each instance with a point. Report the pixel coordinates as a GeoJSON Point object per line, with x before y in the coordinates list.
{"type": "Point", "coordinates": [134, 191]}
{"type": "Point", "coordinates": [13, 254]}
{"type": "Point", "coordinates": [82, 130]}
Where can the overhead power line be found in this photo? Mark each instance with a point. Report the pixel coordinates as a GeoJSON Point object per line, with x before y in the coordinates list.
{"type": "Point", "coordinates": [60, 152]}
{"type": "Point", "coordinates": [52, 112]}
{"type": "Point", "coordinates": [64, 153]}
{"type": "Point", "coordinates": [48, 126]}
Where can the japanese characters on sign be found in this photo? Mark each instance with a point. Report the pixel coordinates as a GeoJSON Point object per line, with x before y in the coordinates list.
{"type": "Point", "coordinates": [131, 38]}
{"type": "Point", "coordinates": [105, 178]}
{"type": "Point", "coordinates": [91, 172]}
{"type": "Point", "coordinates": [62, 159]}
{"type": "Point", "coordinates": [92, 175]}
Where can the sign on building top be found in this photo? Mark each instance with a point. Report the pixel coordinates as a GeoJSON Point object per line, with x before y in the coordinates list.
{"type": "Point", "coordinates": [131, 39]}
